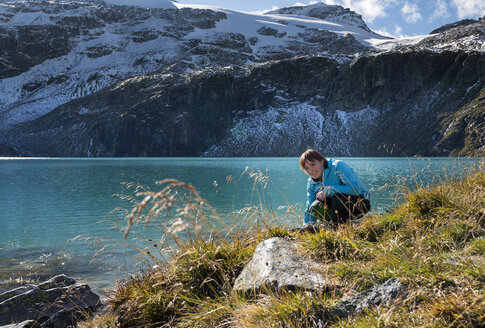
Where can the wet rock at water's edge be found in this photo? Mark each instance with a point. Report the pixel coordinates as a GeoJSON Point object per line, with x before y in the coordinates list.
{"type": "Point", "coordinates": [58, 302]}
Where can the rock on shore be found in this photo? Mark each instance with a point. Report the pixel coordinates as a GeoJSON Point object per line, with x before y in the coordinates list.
{"type": "Point", "coordinates": [279, 264]}
{"type": "Point", "coordinates": [56, 303]}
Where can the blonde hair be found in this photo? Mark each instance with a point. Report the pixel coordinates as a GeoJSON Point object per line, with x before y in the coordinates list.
{"type": "Point", "coordinates": [311, 155]}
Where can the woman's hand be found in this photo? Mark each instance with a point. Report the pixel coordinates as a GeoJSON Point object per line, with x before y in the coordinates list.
{"type": "Point", "coordinates": [321, 195]}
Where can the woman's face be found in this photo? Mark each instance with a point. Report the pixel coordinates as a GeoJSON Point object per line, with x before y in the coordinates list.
{"type": "Point", "coordinates": [314, 169]}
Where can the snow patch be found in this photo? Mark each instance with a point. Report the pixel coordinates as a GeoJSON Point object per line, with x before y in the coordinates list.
{"type": "Point", "coordinates": [30, 18]}
{"type": "Point", "coordinates": [296, 127]}
{"type": "Point", "coordinates": [473, 86]}
{"type": "Point", "coordinates": [388, 45]}
{"type": "Point", "coordinates": [162, 4]}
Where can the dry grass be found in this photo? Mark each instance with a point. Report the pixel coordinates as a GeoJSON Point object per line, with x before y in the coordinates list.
{"type": "Point", "coordinates": [434, 242]}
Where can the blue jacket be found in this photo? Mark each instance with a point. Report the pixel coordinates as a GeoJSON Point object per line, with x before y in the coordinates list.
{"type": "Point", "coordinates": [338, 178]}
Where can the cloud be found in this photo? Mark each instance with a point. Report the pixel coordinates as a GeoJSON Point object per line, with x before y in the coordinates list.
{"type": "Point", "coordinates": [398, 31]}
{"type": "Point", "coordinates": [385, 33]}
{"type": "Point", "coordinates": [440, 10]}
{"type": "Point", "coordinates": [410, 12]}
{"type": "Point", "coordinates": [396, 34]}
{"type": "Point", "coordinates": [369, 9]}
{"type": "Point", "coordinates": [469, 8]}
{"type": "Point", "coordinates": [261, 12]}
{"type": "Point", "coordinates": [305, 4]}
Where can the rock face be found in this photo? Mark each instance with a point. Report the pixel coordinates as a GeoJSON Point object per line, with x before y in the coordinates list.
{"type": "Point", "coordinates": [274, 109]}
{"type": "Point", "coordinates": [58, 302]}
{"type": "Point", "coordinates": [188, 82]}
{"type": "Point", "coordinates": [278, 263]}
{"type": "Point", "coordinates": [463, 35]}
{"type": "Point", "coordinates": [7, 151]}
{"type": "Point", "coordinates": [463, 133]}
{"type": "Point", "coordinates": [446, 27]}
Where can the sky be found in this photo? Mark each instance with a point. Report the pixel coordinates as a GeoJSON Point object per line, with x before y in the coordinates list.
{"type": "Point", "coordinates": [396, 18]}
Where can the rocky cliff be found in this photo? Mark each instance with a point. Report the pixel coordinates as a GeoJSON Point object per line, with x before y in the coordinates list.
{"type": "Point", "coordinates": [233, 94]}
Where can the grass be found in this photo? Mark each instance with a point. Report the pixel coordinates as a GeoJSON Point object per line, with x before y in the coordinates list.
{"type": "Point", "coordinates": [434, 242]}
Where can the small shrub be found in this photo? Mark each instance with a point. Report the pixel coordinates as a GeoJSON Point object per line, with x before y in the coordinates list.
{"type": "Point", "coordinates": [456, 234]}
{"type": "Point", "coordinates": [147, 298]}
{"type": "Point", "coordinates": [459, 311]}
{"type": "Point", "coordinates": [477, 247]}
{"type": "Point", "coordinates": [298, 310]}
{"type": "Point", "coordinates": [428, 201]}
{"type": "Point", "coordinates": [100, 321]}
{"type": "Point", "coordinates": [330, 245]}
{"type": "Point", "coordinates": [373, 229]}
{"type": "Point", "coordinates": [277, 232]}
{"type": "Point", "coordinates": [209, 268]}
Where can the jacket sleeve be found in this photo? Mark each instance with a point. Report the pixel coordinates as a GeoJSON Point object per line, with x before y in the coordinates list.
{"type": "Point", "coordinates": [311, 196]}
{"type": "Point", "coordinates": [348, 182]}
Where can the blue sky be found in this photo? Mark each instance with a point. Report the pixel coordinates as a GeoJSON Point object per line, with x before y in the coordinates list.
{"type": "Point", "coordinates": [389, 17]}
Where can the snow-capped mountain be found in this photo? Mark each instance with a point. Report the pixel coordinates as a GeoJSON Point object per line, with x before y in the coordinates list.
{"type": "Point", "coordinates": [103, 76]}
{"type": "Point", "coordinates": [60, 50]}
{"type": "Point", "coordinates": [332, 13]}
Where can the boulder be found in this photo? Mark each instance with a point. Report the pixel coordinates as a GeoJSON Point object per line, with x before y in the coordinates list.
{"type": "Point", "coordinates": [277, 264]}
{"type": "Point", "coordinates": [24, 324]}
{"type": "Point", "coordinates": [58, 302]}
{"type": "Point", "coordinates": [268, 31]}
{"type": "Point", "coordinates": [384, 294]}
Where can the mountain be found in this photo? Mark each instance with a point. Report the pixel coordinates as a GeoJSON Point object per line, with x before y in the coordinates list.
{"type": "Point", "coordinates": [88, 78]}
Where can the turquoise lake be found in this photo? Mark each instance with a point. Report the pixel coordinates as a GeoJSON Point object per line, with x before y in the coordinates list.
{"type": "Point", "coordinates": [46, 202]}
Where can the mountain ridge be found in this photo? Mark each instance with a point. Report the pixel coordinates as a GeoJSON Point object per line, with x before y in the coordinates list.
{"type": "Point", "coordinates": [351, 110]}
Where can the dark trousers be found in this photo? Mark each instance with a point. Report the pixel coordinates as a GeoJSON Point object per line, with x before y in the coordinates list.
{"type": "Point", "coordinates": [340, 208]}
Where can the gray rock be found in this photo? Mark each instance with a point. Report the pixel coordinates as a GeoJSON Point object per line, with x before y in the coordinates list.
{"type": "Point", "coordinates": [268, 31]}
{"type": "Point", "coordinates": [24, 324]}
{"type": "Point", "coordinates": [315, 35]}
{"type": "Point", "coordinates": [384, 294]}
{"type": "Point", "coordinates": [444, 28]}
{"type": "Point", "coordinates": [58, 302]}
{"type": "Point", "coordinates": [279, 263]}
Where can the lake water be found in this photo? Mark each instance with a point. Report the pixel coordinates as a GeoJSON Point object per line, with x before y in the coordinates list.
{"type": "Point", "coordinates": [46, 202]}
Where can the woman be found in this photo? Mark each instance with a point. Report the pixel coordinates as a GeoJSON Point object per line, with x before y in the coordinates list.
{"type": "Point", "coordinates": [334, 192]}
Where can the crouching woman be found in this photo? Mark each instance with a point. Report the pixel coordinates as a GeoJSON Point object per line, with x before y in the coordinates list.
{"type": "Point", "coordinates": [335, 194]}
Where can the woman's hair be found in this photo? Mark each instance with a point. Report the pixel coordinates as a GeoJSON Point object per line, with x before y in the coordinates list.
{"type": "Point", "coordinates": [312, 155]}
